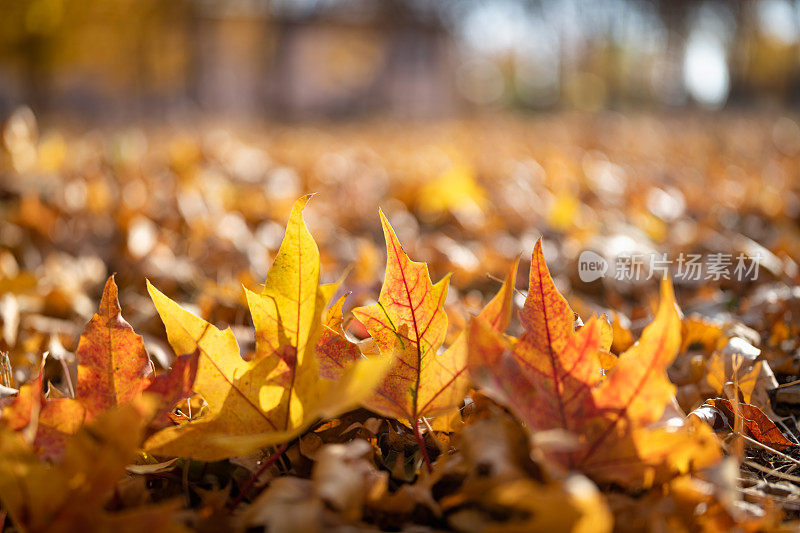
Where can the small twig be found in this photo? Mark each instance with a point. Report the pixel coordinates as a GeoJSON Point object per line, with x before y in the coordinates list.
{"type": "Point", "coordinates": [787, 431]}
{"type": "Point", "coordinates": [6, 379]}
{"type": "Point", "coordinates": [498, 280]}
{"type": "Point", "coordinates": [791, 383]}
{"type": "Point", "coordinates": [67, 376]}
{"type": "Point", "coordinates": [768, 448]}
{"type": "Point", "coordinates": [432, 433]}
{"type": "Point", "coordinates": [427, 424]}
{"type": "Point", "coordinates": [786, 503]}
{"type": "Point", "coordinates": [250, 482]}
{"type": "Point", "coordinates": [422, 448]}
{"type": "Point", "coordinates": [772, 472]}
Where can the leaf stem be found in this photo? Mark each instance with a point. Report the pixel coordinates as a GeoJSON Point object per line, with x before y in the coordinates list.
{"type": "Point", "coordinates": [250, 482]}
{"type": "Point", "coordinates": [422, 448]}
{"type": "Point", "coordinates": [185, 482]}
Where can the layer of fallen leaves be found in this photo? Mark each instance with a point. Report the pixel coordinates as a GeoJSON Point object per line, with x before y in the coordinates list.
{"type": "Point", "coordinates": [338, 397]}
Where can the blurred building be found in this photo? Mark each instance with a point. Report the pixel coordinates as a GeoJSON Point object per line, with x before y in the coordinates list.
{"type": "Point", "coordinates": [106, 59]}
{"type": "Point", "coordinates": [350, 58]}
{"type": "Point", "coordinates": [235, 58]}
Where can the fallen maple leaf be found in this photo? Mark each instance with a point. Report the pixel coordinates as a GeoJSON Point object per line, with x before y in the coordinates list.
{"type": "Point", "coordinates": [409, 322]}
{"type": "Point", "coordinates": [552, 379]}
{"type": "Point", "coordinates": [45, 423]}
{"type": "Point", "coordinates": [553, 369]}
{"type": "Point", "coordinates": [113, 369]}
{"type": "Point", "coordinates": [113, 365]}
{"type": "Point", "coordinates": [279, 393]}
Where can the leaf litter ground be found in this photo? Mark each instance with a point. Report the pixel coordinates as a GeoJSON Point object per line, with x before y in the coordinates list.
{"type": "Point", "coordinates": [469, 198]}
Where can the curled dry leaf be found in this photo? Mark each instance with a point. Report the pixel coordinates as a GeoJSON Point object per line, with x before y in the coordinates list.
{"type": "Point", "coordinates": [757, 424]}
{"type": "Point", "coordinates": [346, 479]}
{"type": "Point", "coordinates": [287, 506]}
{"type": "Point", "coordinates": [688, 503]}
{"type": "Point", "coordinates": [495, 486]}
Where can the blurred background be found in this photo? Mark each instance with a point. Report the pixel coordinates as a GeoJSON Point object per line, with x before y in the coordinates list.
{"type": "Point", "coordinates": [168, 140]}
{"type": "Point", "coordinates": [112, 59]}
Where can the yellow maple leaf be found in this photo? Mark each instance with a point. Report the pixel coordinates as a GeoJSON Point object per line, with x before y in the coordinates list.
{"type": "Point", "coordinates": [279, 393]}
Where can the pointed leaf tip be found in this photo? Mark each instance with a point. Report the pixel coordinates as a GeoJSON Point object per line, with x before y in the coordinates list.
{"type": "Point", "coordinates": [109, 303]}
{"type": "Point", "coordinates": [498, 311]}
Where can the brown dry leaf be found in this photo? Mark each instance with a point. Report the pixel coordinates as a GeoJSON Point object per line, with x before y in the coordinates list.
{"type": "Point", "coordinates": [688, 504]}
{"type": "Point", "coordinates": [501, 489]}
{"type": "Point", "coordinates": [346, 479]}
{"type": "Point", "coordinates": [757, 424]}
{"type": "Point", "coordinates": [287, 506]}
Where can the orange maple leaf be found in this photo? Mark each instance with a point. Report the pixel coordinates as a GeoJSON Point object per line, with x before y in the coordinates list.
{"type": "Point", "coordinates": [45, 423]}
{"type": "Point", "coordinates": [553, 379]}
{"type": "Point", "coordinates": [409, 324]}
{"type": "Point", "coordinates": [113, 370]}
{"type": "Point", "coordinates": [113, 366]}
{"type": "Point", "coordinates": [174, 386]}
